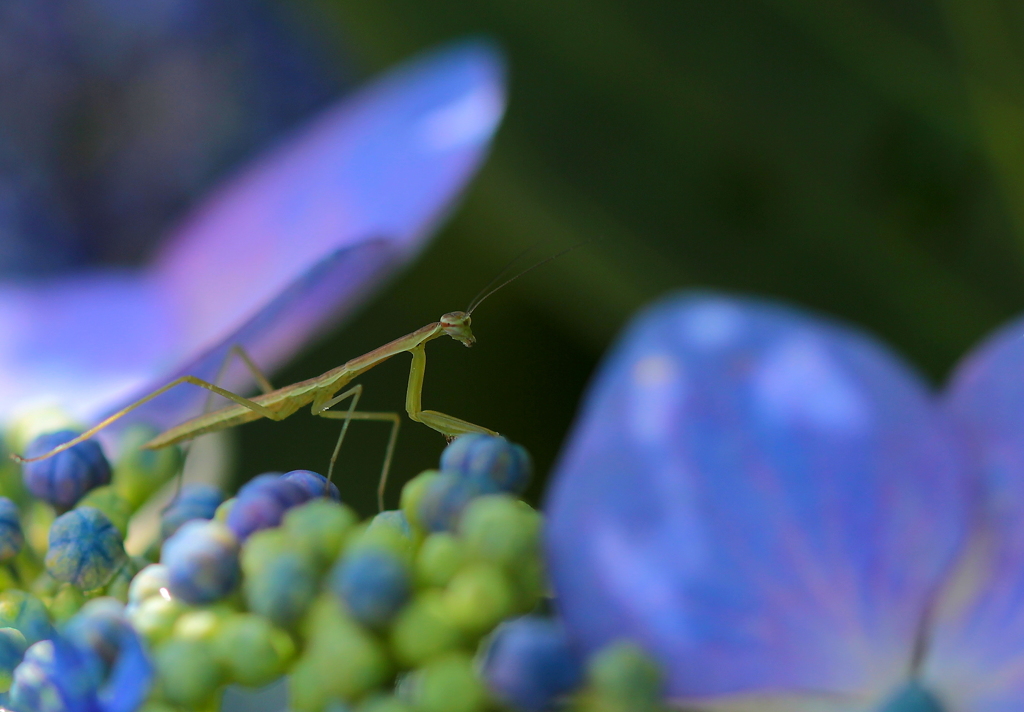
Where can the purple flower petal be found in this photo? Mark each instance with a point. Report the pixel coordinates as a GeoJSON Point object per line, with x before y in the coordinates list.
{"type": "Point", "coordinates": [762, 499]}
{"type": "Point", "coordinates": [976, 654]}
{"type": "Point", "coordinates": [379, 169]}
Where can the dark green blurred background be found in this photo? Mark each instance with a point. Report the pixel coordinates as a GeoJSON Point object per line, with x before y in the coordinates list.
{"type": "Point", "coordinates": [861, 157]}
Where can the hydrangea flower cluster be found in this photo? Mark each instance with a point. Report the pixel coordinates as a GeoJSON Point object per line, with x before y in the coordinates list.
{"type": "Point", "coordinates": [434, 606]}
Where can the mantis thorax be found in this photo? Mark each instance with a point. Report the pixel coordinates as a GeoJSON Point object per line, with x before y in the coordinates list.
{"type": "Point", "coordinates": [456, 325]}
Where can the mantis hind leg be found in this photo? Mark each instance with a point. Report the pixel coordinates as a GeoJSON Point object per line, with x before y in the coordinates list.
{"type": "Point", "coordinates": [354, 393]}
{"type": "Point", "coordinates": [251, 405]}
{"type": "Point", "coordinates": [261, 379]}
{"type": "Point", "coordinates": [447, 425]}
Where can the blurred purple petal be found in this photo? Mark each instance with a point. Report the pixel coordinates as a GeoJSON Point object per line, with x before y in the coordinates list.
{"type": "Point", "coordinates": [976, 656]}
{"type": "Point", "coordinates": [82, 340]}
{"type": "Point", "coordinates": [386, 163]}
{"type": "Point", "coordinates": [763, 499]}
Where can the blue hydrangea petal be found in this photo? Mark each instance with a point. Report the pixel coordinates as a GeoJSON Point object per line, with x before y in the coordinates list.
{"type": "Point", "coordinates": [763, 499]}
{"type": "Point", "coordinates": [56, 676]}
{"type": "Point", "coordinates": [131, 677]}
{"type": "Point", "coordinates": [976, 650]}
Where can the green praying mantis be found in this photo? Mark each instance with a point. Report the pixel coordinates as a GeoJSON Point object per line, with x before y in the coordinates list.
{"type": "Point", "coordinates": [322, 393]}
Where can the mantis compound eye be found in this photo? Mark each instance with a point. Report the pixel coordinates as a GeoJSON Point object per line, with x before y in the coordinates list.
{"type": "Point", "coordinates": [456, 325]}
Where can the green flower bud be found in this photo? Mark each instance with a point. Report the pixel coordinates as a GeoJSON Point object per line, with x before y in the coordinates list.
{"type": "Point", "coordinates": [438, 559]}
{"type": "Point", "coordinates": [423, 630]}
{"type": "Point", "coordinates": [224, 509]}
{"type": "Point", "coordinates": [25, 613]}
{"type": "Point", "coordinates": [12, 648]}
{"type": "Point", "coordinates": [319, 528]}
{"type": "Point", "coordinates": [155, 617]}
{"type": "Point", "coordinates": [253, 651]}
{"type": "Point", "coordinates": [448, 684]}
{"type": "Point", "coordinates": [340, 660]}
{"type": "Point", "coordinates": [187, 672]}
{"type": "Point", "coordinates": [413, 492]}
{"type": "Point", "coordinates": [500, 529]}
{"type": "Point", "coordinates": [478, 598]}
{"type": "Point", "coordinates": [623, 678]}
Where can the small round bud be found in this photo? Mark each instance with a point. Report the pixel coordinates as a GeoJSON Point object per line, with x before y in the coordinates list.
{"type": "Point", "coordinates": [478, 598]}
{"type": "Point", "coordinates": [262, 503]}
{"type": "Point", "coordinates": [625, 678]}
{"type": "Point", "coordinates": [251, 650]}
{"type": "Point", "coordinates": [373, 582]}
{"type": "Point", "coordinates": [280, 581]}
{"type": "Point", "coordinates": [221, 515]}
{"type": "Point", "coordinates": [393, 519]}
{"type": "Point", "coordinates": [314, 484]}
{"type": "Point", "coordinates": [489, 459]}
{"type": "Point", "coordinates": [153, 580]}
{"type": "Point", "coordinates": [11, 536]}
{"type": "Point", "coordinates": [188, 672]}
{"type": "Point", "coordinates": [318, 528]}
{"type": "Point", "coordinates": [86, 549]}
{"type": "Point", "coordinates": [448, 684]}
{"type": "Point", "coordinates": [155, 617]}
{"type": "Point", "coordinates": [330, 636]}
{"type": "Point", "coordinates": [62, 479]}
{"type": "Point", "coordinates": [530, 663]}
{"type": "Point", "coordinates": [202, 562]}
{"type": "Point", "coordinates": [443, 499]}
{"type": "Point", "coordinates": [439, 558]}
{"type": "Point", "coordinates": [195, 501]}
{"type": "Point", "coordinates": [12, 650]}
{"type": "Point", "coordinates": [422, 630]}
{"type": "Point", "coordinates": [26, 613]}
{"type": "Point", "coordinates": [501, 529]}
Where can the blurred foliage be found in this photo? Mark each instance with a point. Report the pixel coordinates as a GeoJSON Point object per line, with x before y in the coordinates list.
{"type": "Point", "coordinates": [861, 157]}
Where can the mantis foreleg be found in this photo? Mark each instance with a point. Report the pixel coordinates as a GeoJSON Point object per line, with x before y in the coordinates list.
{"type": "Point", "coordinates": [447, 425]}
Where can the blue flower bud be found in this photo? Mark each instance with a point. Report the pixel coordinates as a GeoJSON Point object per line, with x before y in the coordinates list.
{"type": "Point", "coordinates": [444, 497]}
{"type": "Point", "coordinates": [202, 561]}
{"type": "Point", "coordinates": [85, 549]}
{"type": "Point", "coordinates": [373, 582]}
{"type": "Point", "coordinates": [314, 484]}
{"type": "Point", "coordinates": [12, 650]}
{"type": "Point", "coordinates": [11, 536]}
{"type": "Point", "coordinates": [25, 613]}
{"type": "Point", "coordinates": [195, 501]}
{"type": "Point", "coordinates": [491, 459]}
{"type": "Point", "coordinates": [62, 479]}
{"type": "Point", "coordinates": [262, 503]}
{"type": "Point", "coordinates": [530, 663]}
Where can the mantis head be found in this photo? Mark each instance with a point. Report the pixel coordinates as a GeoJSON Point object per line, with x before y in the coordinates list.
{"type": "Point", "coordinates": [456, 325]}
